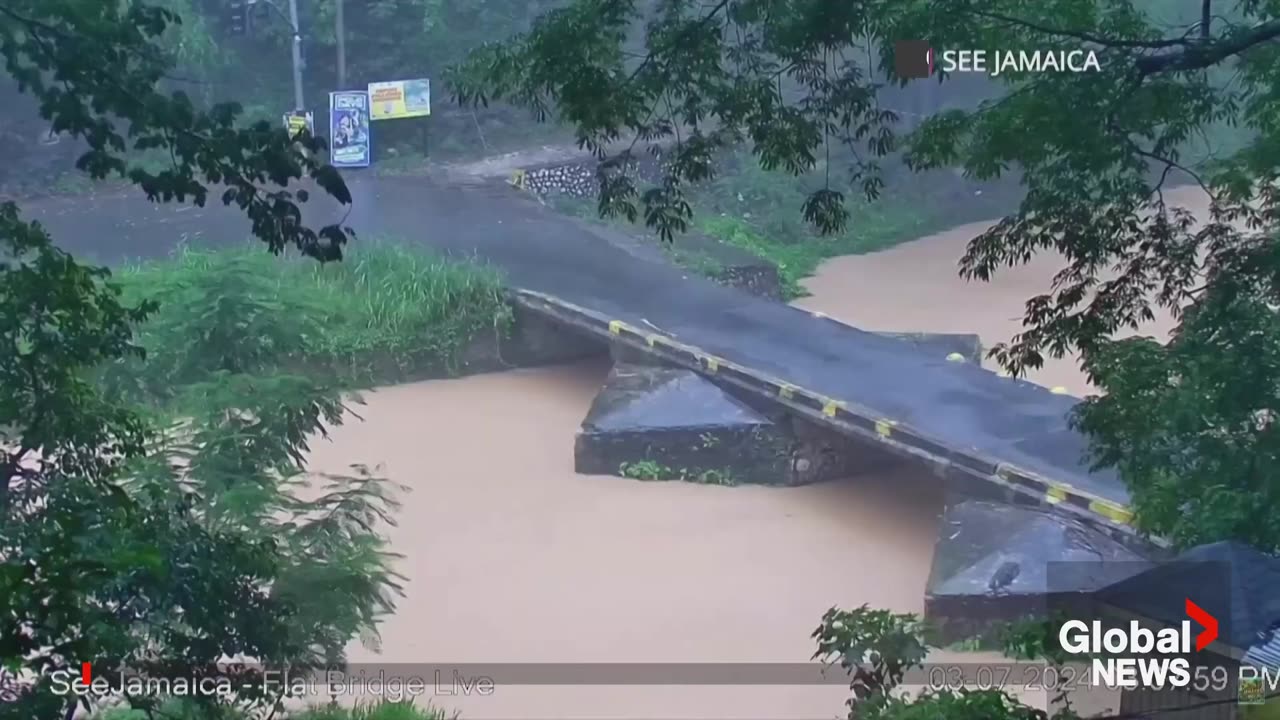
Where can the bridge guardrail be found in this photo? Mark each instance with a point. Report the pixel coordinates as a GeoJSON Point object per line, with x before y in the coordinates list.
{"type": "Point", "coordinates": [847, 415]}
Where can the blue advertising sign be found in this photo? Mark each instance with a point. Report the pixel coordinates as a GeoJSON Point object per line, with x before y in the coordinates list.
{"type": "Point", "coordinates": [349, 129]}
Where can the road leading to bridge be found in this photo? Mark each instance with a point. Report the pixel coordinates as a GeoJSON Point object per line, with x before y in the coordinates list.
{"type": "Point", "coordinates": [961, 408]}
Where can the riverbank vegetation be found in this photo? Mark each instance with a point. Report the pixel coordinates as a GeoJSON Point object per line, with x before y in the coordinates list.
{"type": "Point", "coordinates": [245, 358]}
{"type": "Point", "coordinates": [162, 541]}
{"type": "Point", "coordinates": [754, 211]}
{"type": "Point", "coordinates": [174, 404]}
{"type": "Point", "coordinates": [157, 512]}
{"type": "Point", "coordinates": [386, 312]}
{"type": "Point", "coordinates": [757, 212]}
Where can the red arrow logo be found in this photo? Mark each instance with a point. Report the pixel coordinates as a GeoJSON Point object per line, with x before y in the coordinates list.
{"type": "Point", "coordinates": [1207, 621]}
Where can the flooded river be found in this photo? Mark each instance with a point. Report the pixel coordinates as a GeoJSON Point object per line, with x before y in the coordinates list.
{"type": "Point", "coordinates": [513, 558]}
{"type": "Point", "coordinates": [916, 287]}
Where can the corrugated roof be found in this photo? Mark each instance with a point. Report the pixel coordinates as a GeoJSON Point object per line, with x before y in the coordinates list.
{"type": "Point", "coordinates": [1266, 653]}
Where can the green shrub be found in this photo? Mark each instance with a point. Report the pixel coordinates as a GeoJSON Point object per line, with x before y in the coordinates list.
{"type": "Point", "coordinates": [232, 428]}
{"type": "Point", "coordinates": [241, 310]}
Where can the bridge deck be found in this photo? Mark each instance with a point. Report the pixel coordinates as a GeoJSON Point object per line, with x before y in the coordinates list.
{"type": "Point", "coordinates": [1008, 431]}
{"type": "Point", "coordinates": [953, 416]}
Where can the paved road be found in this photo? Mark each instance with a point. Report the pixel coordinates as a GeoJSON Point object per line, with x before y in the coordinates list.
{"type": "Point", "coordinates": [962, 406]}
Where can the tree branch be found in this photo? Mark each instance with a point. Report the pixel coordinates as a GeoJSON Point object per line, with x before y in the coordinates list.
{"type": "Point", "coordinates": [1206, 54]}
{"type": "Point", "coordinates": [679, 40]}
{"type": "Point", "coordinates": [1080, 35]}
{"type": "Point", "coordinates": [1190, 55]}
{"type": "Point", "coordinates": [1170, 164]}
{"type": "Point", "coordinates": [12, 467]}
{"type": "Point", "coordinates": [245, 180]}
{"type": "Point", "coordinates": [24, 20]}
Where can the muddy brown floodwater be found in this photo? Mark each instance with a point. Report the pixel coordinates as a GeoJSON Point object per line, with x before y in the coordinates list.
{"type": "Point", "coordinates": [513, 558]}
{"type": "Point", "coordinates": [916, 287]}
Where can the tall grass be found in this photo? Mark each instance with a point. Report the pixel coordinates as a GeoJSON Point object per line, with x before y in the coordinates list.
{"type": "Point", "coordinates": [391, 298]}
{"type": "Point", "coordinates": [384, 310]}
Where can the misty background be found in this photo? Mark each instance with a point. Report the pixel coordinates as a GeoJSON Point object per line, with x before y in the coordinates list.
{"type": "Point", "coordinates": [390, 40]}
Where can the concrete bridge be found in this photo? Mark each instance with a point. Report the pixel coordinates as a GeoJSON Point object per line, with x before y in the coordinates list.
{"type": "Point", "coordinates": [974, 429]}
{"type": "Point", "coordinates": [984, 434]}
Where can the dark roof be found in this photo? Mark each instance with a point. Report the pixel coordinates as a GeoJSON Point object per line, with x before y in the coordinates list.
{"type": "Point", "coordinates": [1234, 582]}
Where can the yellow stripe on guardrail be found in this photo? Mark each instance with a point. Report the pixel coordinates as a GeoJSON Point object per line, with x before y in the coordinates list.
{"type": "Point", "coordinates": [615, 327]}
{"type": "Point", "coordinates": [786, 392]}
{"type": "Point", "coordinates": [1055, 493]}
{"type": "Point", "coordinates": [712, 364]}
{"type": "Point", "coordinates": [830, 406]}
{"type": "Point", "coordinates": [1112, 511]}
{"type": "Point", "coordinates": [884, 428]}
{"type": "Point", "coordinates": [651, 340]}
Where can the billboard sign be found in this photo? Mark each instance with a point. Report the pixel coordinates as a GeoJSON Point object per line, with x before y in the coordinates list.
{"type": "Point", "coordinates": [400, 99]}
{"type": "Point", "coordinates": [349, 144]}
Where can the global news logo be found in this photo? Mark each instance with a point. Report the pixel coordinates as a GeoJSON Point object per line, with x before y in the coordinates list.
{"type": "Point", "coordinates": [1160, 659]}
{"type": "Point", "coordinates": [1175, 643]}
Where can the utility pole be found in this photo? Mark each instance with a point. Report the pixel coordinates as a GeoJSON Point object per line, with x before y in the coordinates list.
{"type": "Point", "coordinates": [340, 30]}
{"type": "Point", "coordinates": [292, 19]}
{"type": "Point", "coordinates": [297, 57]}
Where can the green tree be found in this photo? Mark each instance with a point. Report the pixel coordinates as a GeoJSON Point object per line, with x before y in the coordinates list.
{"type": "Point", "coordinates": [96, 69]}
{"type": "Point", "coordinates": [393, 39]}
{"type": "Point", "coordinates": [135, 539]}
{"type": "Point", "coordinates": [796, 78]}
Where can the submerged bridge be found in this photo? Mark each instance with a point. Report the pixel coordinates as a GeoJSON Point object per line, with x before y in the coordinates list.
{"type": "Point", "coordinates": [966, 423]}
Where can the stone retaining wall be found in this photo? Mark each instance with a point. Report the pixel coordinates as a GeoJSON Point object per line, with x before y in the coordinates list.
{"type": "Point", "coordinates": [579, 179]}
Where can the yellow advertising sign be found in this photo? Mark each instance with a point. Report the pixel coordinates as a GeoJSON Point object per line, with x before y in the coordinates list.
{"type": "Point", "coordinates": [296, 122]}
{"type": "Point", "coordinates": [399, 99]}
